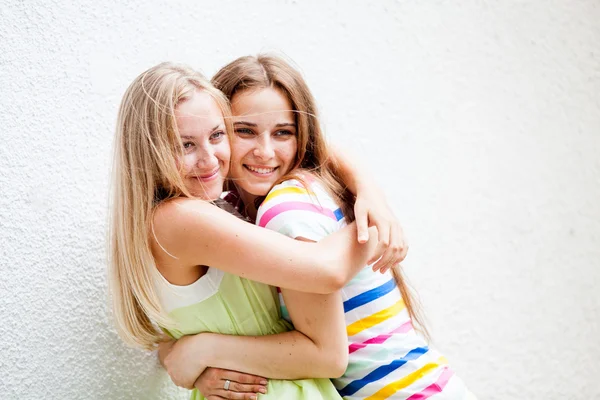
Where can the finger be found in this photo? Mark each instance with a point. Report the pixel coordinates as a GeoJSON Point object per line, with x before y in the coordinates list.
{"type": "Point", "coordinates": [246, 388]}
{"type": "Point", "coordinates": [384, 263]}
{"type": "Point", "coordinates": [362, 223]}
{"type": "Point", "coordinates": [228, 394]}
{"type": "Point", "coordinates": [241, 377]}
{"type": "Point", "coordinates": [403, 252]}
{"type": "Point", "coordinates": [396, 245]}
{"type": "Point", "coordinates": [403, 242]}
{"type": "Point", "coordinates": [384, 242]}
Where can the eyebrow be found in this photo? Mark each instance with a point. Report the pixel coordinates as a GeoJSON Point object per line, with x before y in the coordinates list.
{"type": "Point", "coordinates": [280, 125]}
{"type": "Point", "coordinates": [244, 123]}
{"type": "Point", "coordinates": [193, 137]}
{"type": "Point", "coordinates": [285, 124]}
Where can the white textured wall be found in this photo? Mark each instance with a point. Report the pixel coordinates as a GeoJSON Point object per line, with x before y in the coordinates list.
{"type": "Point", "coordinates": [481, 118]}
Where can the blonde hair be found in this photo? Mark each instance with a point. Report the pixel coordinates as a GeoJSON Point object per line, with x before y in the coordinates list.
{"type": "Point", "coordinates": [313, 153]}
{"type": "Point", "coordinates": [146, 172]}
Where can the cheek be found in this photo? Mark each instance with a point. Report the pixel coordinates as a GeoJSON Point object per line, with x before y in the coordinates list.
{"type": "Point", "coordinates": [239, 149]}
{"type": "Point", "coordinates": [223, 152]}
{"type": "Point", "coordinates": [187, 162]}
{"type": "Point", "coordinates": [291, 149]}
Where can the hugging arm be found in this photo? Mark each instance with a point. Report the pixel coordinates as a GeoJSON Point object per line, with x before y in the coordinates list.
{"type": "Point", "coordinates": [193, 232]}
{"type": "Point", "coordinates": [372, 209]}
{"type": "Point", "coordinates": [317, 348]}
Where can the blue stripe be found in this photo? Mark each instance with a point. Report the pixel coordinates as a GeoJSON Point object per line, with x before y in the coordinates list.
{"type": "Point", "coordinates": [338, 214]}
{"type": "Point", "coordinates": [370, 295]}
{"type": "Point", "coordinates": [382, 371]}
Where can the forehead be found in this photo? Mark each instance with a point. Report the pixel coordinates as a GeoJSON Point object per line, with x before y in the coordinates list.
{"type": "Point", "coordinates": [261, 104]}
{"type": "Point", "coordinates": [199, 112]}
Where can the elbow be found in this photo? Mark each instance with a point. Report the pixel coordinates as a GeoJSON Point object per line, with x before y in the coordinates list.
{"type": "Point", "coordinates": [340, 364]}
{"type": "Point", "coordinates": [335, 364]}
{"type": "Point", "coordinates": [335, 282]}
{"type": "Point", "coordinates": [329, 283]}
{"type": "Point", "coordinates": [334, 278]}
{"type": "Point", "coordinates": [332, 359]}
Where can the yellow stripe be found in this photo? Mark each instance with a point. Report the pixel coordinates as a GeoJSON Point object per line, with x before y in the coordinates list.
{"type": "Point", "coordinates": [287, 190]}
{"type": "Point", "coordinates": [400, 384]}
{"type": "Point", "coordinates": [375, 319]}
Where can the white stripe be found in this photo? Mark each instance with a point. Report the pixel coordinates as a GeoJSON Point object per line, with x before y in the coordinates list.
{"type": "Point", "coordinates": [173, 297]}
{"type": "Point", "coordinates": [365, 281]}
{"type": "Point", "coordinates": [372, 307]}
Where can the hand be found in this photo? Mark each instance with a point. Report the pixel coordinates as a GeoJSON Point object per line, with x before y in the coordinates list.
{"type": "Point", "coordinates": [183, 362]}
{"type": "Point", "coordinates": [242, 386]}
{"type": "Point", "coordinates": [371, 209]}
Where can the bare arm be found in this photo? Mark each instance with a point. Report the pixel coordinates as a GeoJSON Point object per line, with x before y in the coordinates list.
{"type": "Point", "coordinates": [371, 209]}
{"type": "Point", "coordinates": [164, 348]}
{"type": "Point", "coordinates": [192, 232]}
{"type": "Point", "coordinates": [318, 348]}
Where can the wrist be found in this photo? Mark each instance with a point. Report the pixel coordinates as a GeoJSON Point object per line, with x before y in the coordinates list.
{"type": "Point", "coordinates": [203, 349]}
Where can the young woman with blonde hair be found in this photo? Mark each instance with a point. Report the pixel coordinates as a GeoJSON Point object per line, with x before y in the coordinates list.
{"type": "Point", "coordinates": [180, 262]}
{"type": "Point", "coordinates": [279, 151]}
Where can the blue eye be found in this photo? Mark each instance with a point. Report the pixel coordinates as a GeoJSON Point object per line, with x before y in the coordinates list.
{"type": "Point", "coordinates": [217, 135]}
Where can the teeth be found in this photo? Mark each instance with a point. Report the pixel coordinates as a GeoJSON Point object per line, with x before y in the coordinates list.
{"type": "Point", "coordinates": [260, 170]}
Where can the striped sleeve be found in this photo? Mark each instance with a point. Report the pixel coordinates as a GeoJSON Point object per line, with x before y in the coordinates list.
{"type": "Point", "coordinates": [295, 210]}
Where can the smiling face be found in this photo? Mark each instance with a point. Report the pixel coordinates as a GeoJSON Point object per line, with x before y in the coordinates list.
{"type": "Point", "coordinates": [206, 151]}
{"type": "Point", "coordinates": [264, 145]}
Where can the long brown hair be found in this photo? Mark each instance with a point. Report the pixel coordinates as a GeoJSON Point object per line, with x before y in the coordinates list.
{"type": "Point", "coordinates": [313, 153]}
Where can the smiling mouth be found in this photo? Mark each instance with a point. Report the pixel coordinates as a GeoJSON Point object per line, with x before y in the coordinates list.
{"type": "Point", "coordinates": [207, 177]}
{"type": "Point", "coordinates": [261, 170]}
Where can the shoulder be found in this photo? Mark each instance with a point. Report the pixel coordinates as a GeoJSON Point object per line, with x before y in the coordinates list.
{"type": "Point", "coordinates": [176, 209]}
{"type": "Point", "coordinates": [299, 199]}
{"type": "Point", "coordinates": [175, 218]}
{"type": "Point", "coordinates": [304, 187]}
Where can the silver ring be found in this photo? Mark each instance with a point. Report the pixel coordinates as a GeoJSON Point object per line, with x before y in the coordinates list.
{"type": "Point", "coordinates": [227, 383]}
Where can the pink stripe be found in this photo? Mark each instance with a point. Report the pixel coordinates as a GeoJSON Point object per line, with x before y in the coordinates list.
{"type": "Point", "coordinates": [405, 327]}
{"type": "Point", "coordinates": [434, 388]}
{"type": "Point", "coordinates": [293, 206]}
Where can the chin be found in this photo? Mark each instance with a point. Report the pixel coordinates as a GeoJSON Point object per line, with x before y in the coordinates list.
{"type": "Point", "coordinates": [260, 191]}
{"type": "Point", "coordinates": [208, 193]}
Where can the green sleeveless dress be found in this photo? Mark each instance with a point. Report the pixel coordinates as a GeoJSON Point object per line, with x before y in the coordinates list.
{"type": "Point", "coordinates": [220, 302]}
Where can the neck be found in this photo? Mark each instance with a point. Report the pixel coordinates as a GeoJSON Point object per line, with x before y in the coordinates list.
{"type": "Point", "coordinates": [249, 203]}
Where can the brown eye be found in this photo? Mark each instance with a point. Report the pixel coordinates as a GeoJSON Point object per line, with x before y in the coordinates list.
{"type": "Point", "coordinates": [284, 133]}
{"type": "Point", "coordinates": [244, 132]}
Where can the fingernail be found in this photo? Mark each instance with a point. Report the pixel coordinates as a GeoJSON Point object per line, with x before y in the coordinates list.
{"type": "Point", "coordinates": [263, 382]}
{"type": "Point", "coordinates": [262, 390]}
{"type": "Point", "coordinates": [253, 397]}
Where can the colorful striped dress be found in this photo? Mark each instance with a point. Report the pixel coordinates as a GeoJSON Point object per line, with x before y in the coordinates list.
{"type": "Point", "coordinates": [387, 358]}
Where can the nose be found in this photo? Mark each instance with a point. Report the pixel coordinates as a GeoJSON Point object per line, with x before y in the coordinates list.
{"type": "Point", "coordinates": [206, 156]}
{"type": "Point", "coordinates": [264, 147]}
